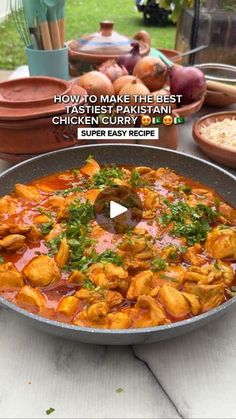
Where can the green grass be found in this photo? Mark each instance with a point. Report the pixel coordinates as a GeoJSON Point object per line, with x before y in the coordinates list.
{"type": "Point", "coordinates": [83, 16]}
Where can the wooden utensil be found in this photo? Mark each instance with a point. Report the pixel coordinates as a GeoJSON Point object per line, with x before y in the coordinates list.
{"type": "Point", "coordinates": [221, 87]}
{"type": "Point", "coordinates": [52, 15]}
{"type": "Point", "coordinates": [41, 11]}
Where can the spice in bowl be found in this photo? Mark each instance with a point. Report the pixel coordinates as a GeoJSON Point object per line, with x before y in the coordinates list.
{"type": "Point", "coordinates": [221, 132]}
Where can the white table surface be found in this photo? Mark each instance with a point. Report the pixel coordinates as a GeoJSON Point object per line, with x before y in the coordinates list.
{"type": "Point", "coordinates": [193, 376]}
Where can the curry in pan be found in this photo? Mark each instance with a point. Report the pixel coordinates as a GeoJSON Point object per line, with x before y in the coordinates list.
{"type": "Point", "coordinates": [56, 260]}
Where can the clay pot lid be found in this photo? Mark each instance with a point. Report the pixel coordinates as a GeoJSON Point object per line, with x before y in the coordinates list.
{"type": "Point", "coordinates": [33, 97]}
{"type": "Point", "coordinates": [105, 42]}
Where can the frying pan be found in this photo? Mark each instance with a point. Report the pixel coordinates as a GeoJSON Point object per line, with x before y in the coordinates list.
{"type": "Point", "coordinates": [192, 167]}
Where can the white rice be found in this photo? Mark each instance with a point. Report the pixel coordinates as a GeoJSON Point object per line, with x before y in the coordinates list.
{"type": "Point", "coordinates": [222, 132]}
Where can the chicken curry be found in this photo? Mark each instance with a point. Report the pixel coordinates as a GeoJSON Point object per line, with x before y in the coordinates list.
{"type": "Point", "coordinates": [56, 261]}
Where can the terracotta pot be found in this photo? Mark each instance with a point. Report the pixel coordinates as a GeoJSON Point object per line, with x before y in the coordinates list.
{"type": "Point", "coordinates": [219, 153]}
{"type": "Point", "coordinates": [90, 51]}
{"type": "Point", "coordinates": [26, 111]}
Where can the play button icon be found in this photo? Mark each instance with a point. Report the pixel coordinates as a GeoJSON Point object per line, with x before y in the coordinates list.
{"type": "Point", "coordinates": [118, 209]}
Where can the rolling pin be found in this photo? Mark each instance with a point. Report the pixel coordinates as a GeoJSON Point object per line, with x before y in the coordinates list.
{"type": "Point", "coordinates": [221, 87]}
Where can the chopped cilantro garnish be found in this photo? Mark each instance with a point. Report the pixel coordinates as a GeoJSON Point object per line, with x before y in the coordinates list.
{"type": "Point", "coordinates": [106, 176]}
{"type": "Point", "coordinates": [110, 256]}
{"type": "Point", "coordinates": [88, 284]}
{"type": "Point", "coordinates": [185, 188]}
{"type": "Point", "coordinates": [54, 244]}
{"type": "Point", "coordinates": [158, 264]}
{"type": "Point", "coordinates": [50, 411]}
{"type": "Point", "coordinates": [193, 223]}
{"type": "Point", "coordinates": [46, 228]}
{"type": "Point", "coordinates": [66, 192]}
{"type": "Point", "coordinates": [119, 390]}
{"type": "Point", "coordinates": [80, 213]}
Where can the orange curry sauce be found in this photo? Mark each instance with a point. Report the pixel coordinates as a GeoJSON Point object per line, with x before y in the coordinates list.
{"type": "Point", "coordinates": [155, 274]}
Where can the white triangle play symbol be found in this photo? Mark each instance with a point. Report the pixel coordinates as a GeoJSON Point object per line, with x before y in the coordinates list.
{"type": "Point", "coordinates": [116, 209]}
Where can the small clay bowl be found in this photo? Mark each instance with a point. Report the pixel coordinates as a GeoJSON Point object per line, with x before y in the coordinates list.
{"type": "Point", "coordinates": [172, 54]}
{"type": "Point", "coordinates": [219, 153]}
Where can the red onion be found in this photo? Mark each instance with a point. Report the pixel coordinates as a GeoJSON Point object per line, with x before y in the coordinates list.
{"type": "Point", "coordinates": [112, 70]}
{"type": "Point", "coordinates": [187, 81]}
{"type": "Point", "coordinates": [129, 60]}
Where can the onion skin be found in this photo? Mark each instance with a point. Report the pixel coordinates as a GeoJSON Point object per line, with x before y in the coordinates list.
{"type": "Point", "coordinates": [152, 71]}
{"type": "Point", "coordinates": [189, 82]}
{"type": "Point", "coordinates": [130, 60]}
{"type": "Point", "coordinates": [112, 70]}
{"type": "Point", "coordinates": [96, 84]}
{"type": "Point", "coordinates": [122, 81]}
{"type": "Point", "coordinates": [134, 88]}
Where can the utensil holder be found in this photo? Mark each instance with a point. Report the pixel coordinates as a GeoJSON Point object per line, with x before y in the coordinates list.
{"type": "Point", "coordinates": [51, 63]}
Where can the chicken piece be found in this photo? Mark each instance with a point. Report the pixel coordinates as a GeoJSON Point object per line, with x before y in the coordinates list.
{"type": "Point", "coordinates": [42, 219]}
{"type": "Point", "coordinates": [65, 208]}
{"type": "Point", "coordinates": [168, 176]}
{"type": "Point", "coordinates": [68, 305]}
{"type": "Point", "coordinates": [56, 231]}
{"type": "Point", "coordinates": [201, 196]}
{"type": "Point", "coordinates": [197, 274]}
{"type": "Point", "coordinates": [173, 301]}
{"type": "Point", "coordinates": [10, 277]}
{"type": "Point", "coordinates": [147, 174]}
{"type": "Point", "coordinates": [194, 302]}
{"type": "Point", "coordinates": [227, 213]}
{"type": "Point", "coordinates": [210, 295]}
{"type": "Point", "coordinates": [112, 298]}
{"type": "Point", "coordinates": [29, 193]}
{"type": "Point", "coordinates": [55, 202]}
{"type": "Point", "coordinates": [227, 272]}
{"type": "Point", "coordinates": [170, 254]}
{"type": "Point", "coordinates": [63, 253]}
{"type": "Point", "coordinates": [31, 296]}
{"type": "Point", "coordinates": [12, 242]}
{"type": "Point", "coordinates": [108, 275]}
{"type": "Point", "coordinates": [92, 195]}
{"type": "Point", "coordinates": [140, 284]}
{"type": "Point", "coordinates": [137, 251]}
{"type": "Point", "coordinates": [76, 277]}
{"type": "Point", "coordinates": [173, 276]}
{"type": "Point", "coordinates": [150, 203]}
{"type": "Point", "coordinates": [34, 234]}
{"type": "Point", "coordinates": [155, 310]}
{"type": "Point", "coordinates": [7, 205]}
{"type": "Point", "coordinates": [118, 321]}
{"type": "Point", "coordinates": [90, 168]}
{"type": "Point", "coordinates": [217, 273]}
{"type": "Point", "coordinates": [221, 243]}
{"type": "Point", "coordinates": [6, 229]}
{"type": "Point", "coordinates": [42, 271]}
{"type": "Point", "coordinates": [97, 312]}
{"type": "Point", "coordinates": [193, 255]}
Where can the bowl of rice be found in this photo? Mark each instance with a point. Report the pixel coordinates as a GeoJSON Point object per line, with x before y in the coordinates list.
{"type": "Point", "coordinates": [216, 136]}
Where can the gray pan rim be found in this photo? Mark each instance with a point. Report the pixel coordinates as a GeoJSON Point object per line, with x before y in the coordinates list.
{"type": "Point", "coordinates": [117, 332]}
